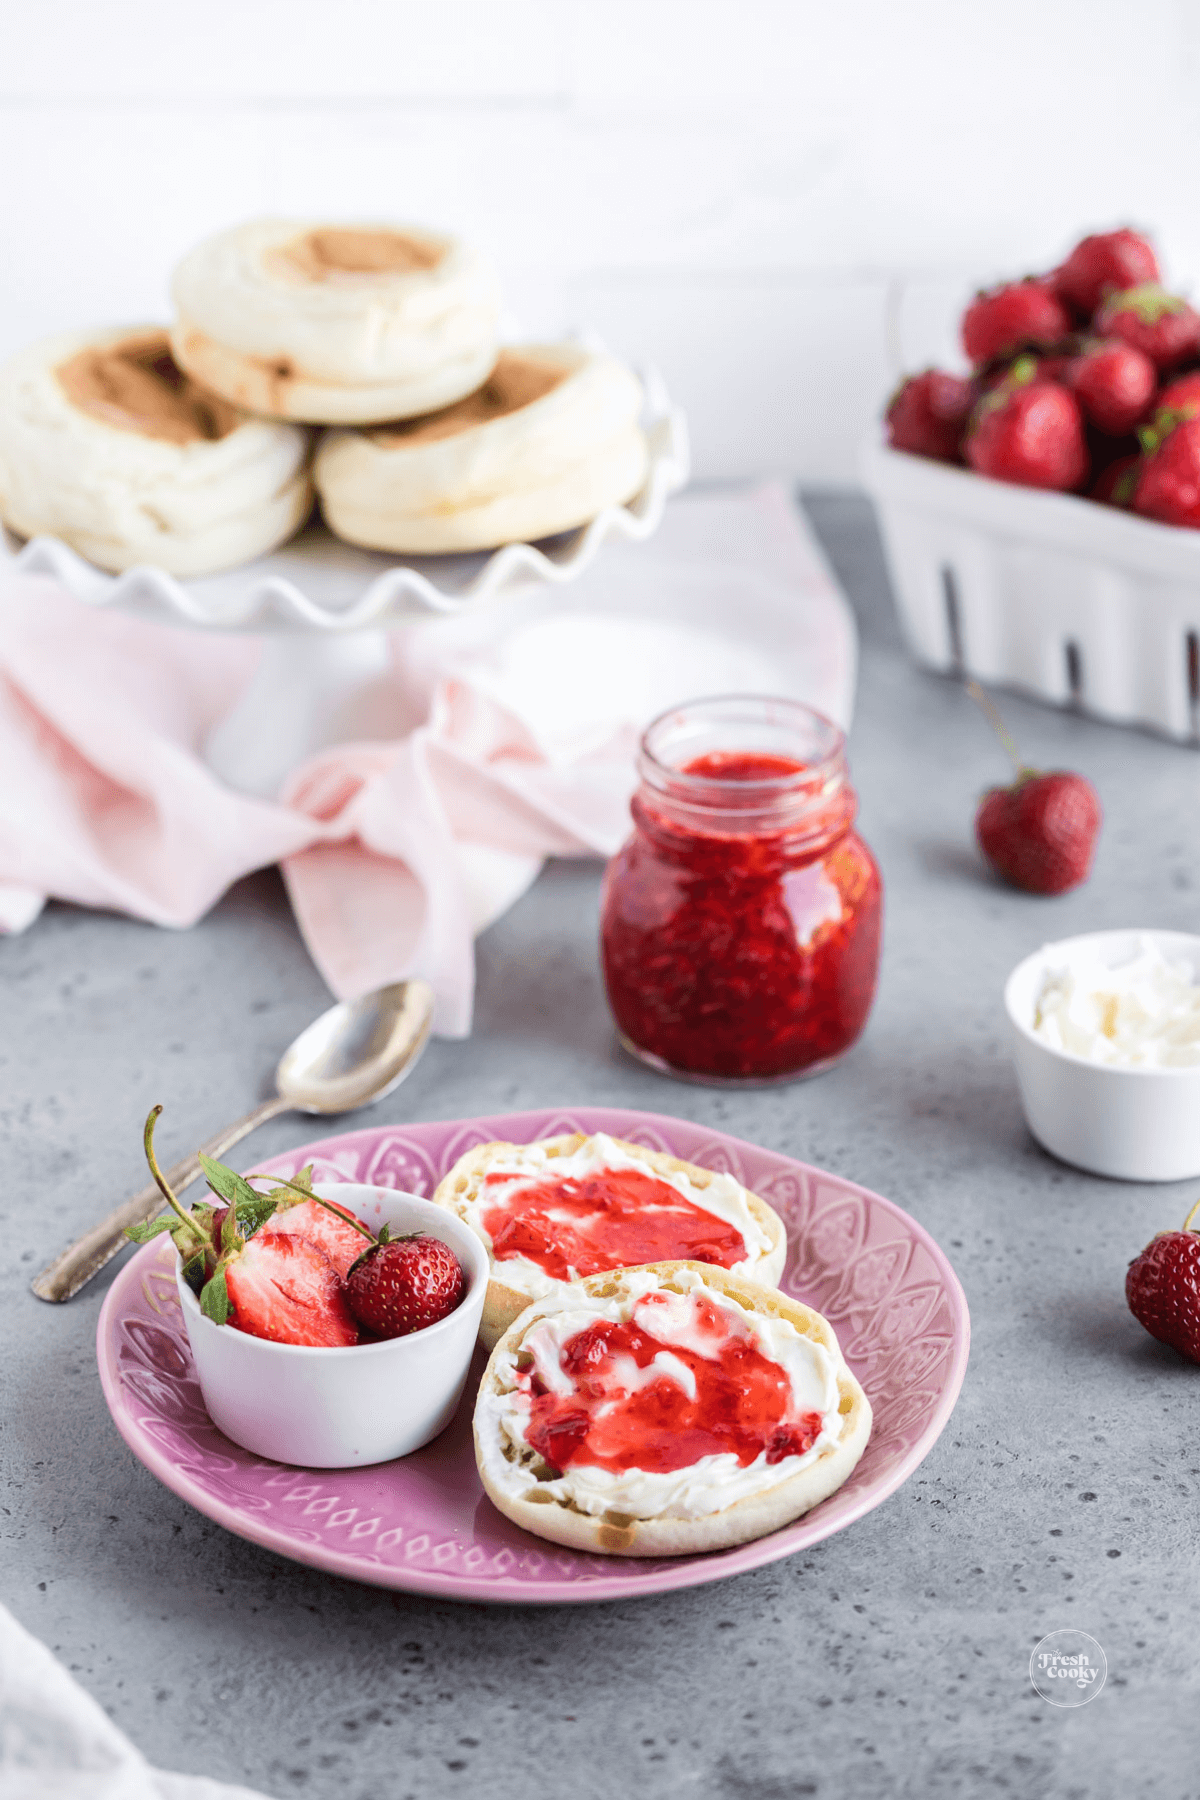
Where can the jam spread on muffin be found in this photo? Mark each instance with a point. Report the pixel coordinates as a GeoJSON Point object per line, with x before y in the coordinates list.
{"type": "Point", "coordinates": [578, 1225]}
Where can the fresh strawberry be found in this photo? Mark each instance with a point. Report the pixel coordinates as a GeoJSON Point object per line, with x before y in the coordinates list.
{"type": "Point", "coordinates": [1181, 395]}
{"type": "Point", "coordinates": [1168, 486]}
{"type": "Point", "coordinates": [1029, 366]}
{"type": "Point", "coordinates": [1040, 832]}
{"type": "Point", "coordinates": [404, 1284]}
{"type": "Point", "coordinates": [928, 413]}
{"type": "Point", "coordinates": [325, 1224]}
{"type": "Point", "coordinates": [1114, 385]}
{"type": "Point", "coordinates": [1161, 325]}
{"type": "Point", "coordinates": [1103, 264]}
{"type": "Point", "coordinates": [1117, 481]}
{"type": "Point", "coordinates": [1163, 1288]}
{"type": "Point", "coordinates": [1030, 432]}
{"type": "Point", "coordinates": [284, 1288]}
{"type": "Point", "coordinates": [1010, 318]}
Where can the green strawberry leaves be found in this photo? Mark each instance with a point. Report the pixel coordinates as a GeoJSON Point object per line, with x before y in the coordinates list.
{"type": "Point", "coordinates": [214, 1297]}
{"type": "Point", "coordinates": [142, 1234]}
{"type": "Point", "coordinates": [1149, 301]}
{"type": "Point", "coordinates": [1152, 436]}
{"type": "Point", "coordinates": [234, 1189]}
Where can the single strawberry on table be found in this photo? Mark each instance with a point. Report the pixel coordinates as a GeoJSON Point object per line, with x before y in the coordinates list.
{"type": "Point", "coordinates": [1102, 264]}
{"type": "Point", "coordinates": [1163, 1288]}
{"type": "Point", "coordinates": [1040, 832]}
{"type": "Point", "coordinates": [1029, 431]}
{"type": "Point", "coordinates": [1161, 325]}
{"type": "Point", "coordinates": [404, 1284]}
{"type": "Point", "coordinates": [1013, 317]}
{"type": "Point", "coordinates": [928, 413]}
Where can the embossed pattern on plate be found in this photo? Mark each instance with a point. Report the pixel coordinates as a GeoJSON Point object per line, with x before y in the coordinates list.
{"type": "Point", "coordinates": [424, 1523]}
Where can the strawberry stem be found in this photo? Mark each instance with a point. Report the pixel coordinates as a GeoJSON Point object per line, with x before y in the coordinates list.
{"type": "Point", "coordinates": [1187, 1223]}
{"type": "Point", "coordinates": [282, 1181]}
{"type": "Point", "coordinates": [991, 714]}
{"type": "Point", "coordinates": [160, 1179]}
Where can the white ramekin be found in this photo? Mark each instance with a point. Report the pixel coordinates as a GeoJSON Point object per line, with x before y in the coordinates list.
{"type": "Point", "coordinates": [339, 1408]}
{"type": "Point", "coordinates": [1137, 1124]}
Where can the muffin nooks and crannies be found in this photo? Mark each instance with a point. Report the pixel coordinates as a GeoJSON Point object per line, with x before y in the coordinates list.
{"type": "Point", "coordinates": [548, 441]}
{"type": "Point", "coordinates": [567, 1207]}
{"type": "Point", "coordinates": [108, 445]}
{"type": "Point", "coordinates": [666, 1411]}
{"type": "Point", "coordinates": [336, 324]}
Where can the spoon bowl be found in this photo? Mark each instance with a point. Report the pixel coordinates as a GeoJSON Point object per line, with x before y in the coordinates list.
{"type": "Point", "coordinates": [357, 1051]}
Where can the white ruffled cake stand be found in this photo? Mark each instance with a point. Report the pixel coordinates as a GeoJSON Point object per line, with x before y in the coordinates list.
{"type": "Point", "coordinates": [324, 609]}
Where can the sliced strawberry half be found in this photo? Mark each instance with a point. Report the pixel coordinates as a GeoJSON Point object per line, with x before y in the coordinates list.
{"type": "Point", "coordinates": [341, 1240]}
{"type": "Point", "coordinates": [284, 1288]}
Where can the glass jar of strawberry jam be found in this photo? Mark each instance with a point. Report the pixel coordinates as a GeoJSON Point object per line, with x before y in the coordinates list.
{"type": "Point", "coordinates": [740, 924]}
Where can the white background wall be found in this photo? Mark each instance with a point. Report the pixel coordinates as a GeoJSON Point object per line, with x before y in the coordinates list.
{"type": "Point", "coordinates": [762, 196]}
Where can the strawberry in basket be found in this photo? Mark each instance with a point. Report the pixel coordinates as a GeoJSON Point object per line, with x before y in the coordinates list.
{"type": "Point", "coordinates": [928, 414]}
{"type": "Point", "coordinates": [1116, 483]}
{"type": "Point", "coordinates": [1168, 484]}
{"type": "Point", "coordinates": [1181, 395]}
{"type": "Point", "coordinates": [1029, 431]}
{"type": "Point", "coordinates": [1105, 263]}
{"type": "Point", "coordinates": [1011, 318]}
{"type": "Point", "coordinates": [1114, 384]}
{"type": "Point", "coordinates": [1162, 325]}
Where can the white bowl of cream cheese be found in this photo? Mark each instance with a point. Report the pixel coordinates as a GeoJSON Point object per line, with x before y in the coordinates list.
{"type": "Point", "coordinates": [1105, 1033]}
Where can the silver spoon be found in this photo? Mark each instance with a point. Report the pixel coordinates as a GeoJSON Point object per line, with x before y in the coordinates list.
{"type": "Point", "coordinates": [353, 1054]}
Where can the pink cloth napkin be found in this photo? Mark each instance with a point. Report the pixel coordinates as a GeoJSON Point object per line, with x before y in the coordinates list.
{"type": "Point", "coordinates": [515, 736]}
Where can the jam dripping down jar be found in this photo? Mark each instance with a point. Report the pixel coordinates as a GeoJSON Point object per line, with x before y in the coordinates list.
{"type": "Point", "coordinates": [740, 923]}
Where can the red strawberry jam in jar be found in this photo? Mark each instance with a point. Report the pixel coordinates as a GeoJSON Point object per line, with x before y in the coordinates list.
{"type": "Point", "coordinates": [740, 924]}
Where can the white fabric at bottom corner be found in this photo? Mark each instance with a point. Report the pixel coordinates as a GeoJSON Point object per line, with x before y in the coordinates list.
{"type": "Point", "coordinates": [57, 1743]}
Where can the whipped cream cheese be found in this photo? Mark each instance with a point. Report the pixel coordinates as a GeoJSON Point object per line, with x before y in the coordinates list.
{"type": "Point", "coordinates": [1142, 1013]}
{"type": "Point", "coordinates": [723, 1197]}
{"type": "Point", "coordinates": [706, 1486]}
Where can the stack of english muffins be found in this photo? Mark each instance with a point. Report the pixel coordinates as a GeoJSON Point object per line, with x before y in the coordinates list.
{"type": "Point", "coordinates": [192, 449]}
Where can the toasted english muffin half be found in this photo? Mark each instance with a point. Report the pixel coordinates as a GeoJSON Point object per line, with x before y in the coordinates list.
{"type": "Point", "coordinates": [476, 1186]}
{"type": "Point", "coordinates": [549, 440]}
{"type": "Point", "coordinates": [336, 324]}
{"type": "Point", "coordinates": [542, 1383]}
{"type": "Point", "coordinates": [108, 445]}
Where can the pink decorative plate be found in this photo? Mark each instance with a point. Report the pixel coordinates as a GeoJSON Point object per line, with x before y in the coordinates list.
{"type": "Point", "coordinates": [424, 1523]}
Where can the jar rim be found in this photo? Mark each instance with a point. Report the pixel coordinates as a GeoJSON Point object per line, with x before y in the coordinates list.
{"type": "Point", "coordinates": [810, 801]}
{"type": "Point", "coordinates": [758, 713]}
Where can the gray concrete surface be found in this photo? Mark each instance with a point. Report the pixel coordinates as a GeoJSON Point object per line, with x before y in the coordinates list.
{"type": "Point", "coordinates": [893, 1659]}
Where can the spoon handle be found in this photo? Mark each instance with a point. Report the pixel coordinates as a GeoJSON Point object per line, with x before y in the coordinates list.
{"type": "Point", "coordinates": [76, 1265]}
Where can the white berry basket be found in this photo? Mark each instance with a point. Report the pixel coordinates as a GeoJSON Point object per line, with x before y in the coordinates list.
{"type": "Point", "coordinates": [1077, 603]}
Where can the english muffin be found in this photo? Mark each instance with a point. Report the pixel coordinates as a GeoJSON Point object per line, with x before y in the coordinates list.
{"type": "Point", "coordinates": [550, 439]}
{"type": "Point", "coordinates": [665, 1411]}
{"type": "Point", "coordinates": [107, 444]}
{"type": "Point", "coordinates": [566, 1207]}
{"type": "Point", "coordinates": [336, 324]}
